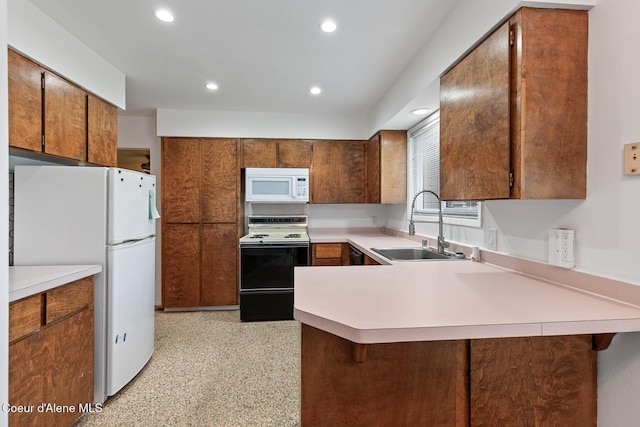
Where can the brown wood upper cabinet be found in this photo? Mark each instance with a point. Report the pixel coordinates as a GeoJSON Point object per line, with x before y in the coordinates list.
{"type": "Point", "coordinates": [386, 157]}
{"type": "Point", "coordinates": [513, 112]}
{"type": "Point", "coordinates": [276, 153]}
{"type": "Point", "coordinates": [337, 172]}
{"type": "Point", "coordinates": [50, 115]}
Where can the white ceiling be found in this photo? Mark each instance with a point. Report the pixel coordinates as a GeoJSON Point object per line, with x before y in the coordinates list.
{"type": "Point", "coordinates": [263, 54]}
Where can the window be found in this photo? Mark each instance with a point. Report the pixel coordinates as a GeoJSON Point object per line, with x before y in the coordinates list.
{"type": "Point", "coordinates": [424, 173]}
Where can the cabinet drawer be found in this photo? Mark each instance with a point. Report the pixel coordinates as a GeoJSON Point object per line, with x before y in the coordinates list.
{"type": "Point", "coordinates": [328, 250]}
{"type": "Point", "coordinates": [25, 317]}
{"type": "Point", "coordinates": [69, 299]}
{"type": "Point", "coordinates": [319, 262]}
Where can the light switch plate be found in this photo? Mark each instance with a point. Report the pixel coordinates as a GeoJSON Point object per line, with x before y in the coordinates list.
{"type": "Point", "coordinates": [632, 159]}
{"type": "Point", "coordinates": [561, 247]}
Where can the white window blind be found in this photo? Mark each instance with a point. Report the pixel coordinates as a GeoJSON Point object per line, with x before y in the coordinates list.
{"type": "Point", "coordinates": [424, 173]}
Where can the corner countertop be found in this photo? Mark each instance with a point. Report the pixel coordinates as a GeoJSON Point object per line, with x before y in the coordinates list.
{"type": "Point", "coordinates": [25, 281]}
{"type": "Point", "coordinates": [444, 300]}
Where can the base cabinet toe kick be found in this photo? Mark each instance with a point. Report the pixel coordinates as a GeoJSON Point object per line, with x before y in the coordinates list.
{"type": "Point", "coordinates": [479, 382]}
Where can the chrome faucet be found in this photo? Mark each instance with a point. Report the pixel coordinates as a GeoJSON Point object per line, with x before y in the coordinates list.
{"type": "Point", "coordinates": [442, 244]}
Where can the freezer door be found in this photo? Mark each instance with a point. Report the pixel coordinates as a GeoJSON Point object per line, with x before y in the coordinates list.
{"type": "Point", "coordinates": [130, 311]}
{"type": "Point", "coordinates": [130, 197]}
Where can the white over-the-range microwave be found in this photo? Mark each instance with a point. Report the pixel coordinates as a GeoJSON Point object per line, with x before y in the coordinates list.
{"type": "Point", "coordinates": [276, 185]}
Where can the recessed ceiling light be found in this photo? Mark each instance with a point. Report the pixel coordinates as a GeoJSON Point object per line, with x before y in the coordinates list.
{"type": "Point", "coordinates": [315, 90]}
{"type": "Point", "coordinates": [212, 86]}
{"type": "Point", "coordinates": [420, 111]}
{"type": "Point", "coordinates": [328, 26]}
{"type": "Point", "coordinates": [164, 15]}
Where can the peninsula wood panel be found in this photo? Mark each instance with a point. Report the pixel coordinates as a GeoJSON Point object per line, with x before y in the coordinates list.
{"type": "Point", "coordinates": [549, 103]}
{"type": "Point", "coordinates": [219, 265]}
{"type": "Point", "coordinates": [398, 384]}
{"type": "Point", "coordinates": [65, 118]}
{"type": "Point", "coordinates": [25, 102]}
{"type": "Point", "coordinates": [181, 265]}
{"type": "Point", "coordinates": [536, 381]}
{"type": "Point", "coordinates": [259, 153]}
{"type": "Point", "coordinates": [102, 132]}
{"type": "Point", "coordinates": [181, 180]}
{"type": "Point", "coordinates": [474, 123]}
{"type": "Point", "coordinates": [220, 180]}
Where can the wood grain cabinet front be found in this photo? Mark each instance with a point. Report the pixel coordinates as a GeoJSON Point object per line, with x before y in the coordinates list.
{"type": "Point", "coordinates": [50, 115]}
{"type": "Point", "coordinates": [513, 112]}
{"type": "Point", "coordinates": [386, 157]}
{"type": "Point", "coordinates": [51, 359]}
{"type": "Point", "coordinates": [326, 254]}
{"type": "Point", "coordinates": [201, 225]}
{"type": "Point", "coordinates": [337, 172]}
{"type": "Point", "coordinates": [276, 153]}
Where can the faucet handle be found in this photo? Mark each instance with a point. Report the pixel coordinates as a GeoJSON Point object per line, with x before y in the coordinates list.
{"type": "Point", "coordinates": [425, 243]}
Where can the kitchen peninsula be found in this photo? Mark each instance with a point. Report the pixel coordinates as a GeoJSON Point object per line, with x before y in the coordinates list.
{"type": "Point", "coordinates": [447, 343]}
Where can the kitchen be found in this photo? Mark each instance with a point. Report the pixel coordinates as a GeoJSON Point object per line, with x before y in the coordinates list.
{"type": "Point", "coordinates": [604, 222]}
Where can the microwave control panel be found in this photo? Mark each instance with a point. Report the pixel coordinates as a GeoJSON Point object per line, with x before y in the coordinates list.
{"type": "Point", "coordinates": [302, 187]}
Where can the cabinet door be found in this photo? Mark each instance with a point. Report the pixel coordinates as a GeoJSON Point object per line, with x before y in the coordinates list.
{"type": "Point", "coordinates": [474, 123]}
{"type": "Point", "coordinates": [180, 265]}
{"type": "Point", "coordinates": [219, 265]}
{"type": "Point", "coordinates": [65, 118]}
{"type": "Point", "coordinates": [373, 169]}
{"type": "Point", "coordinates": [393, 166]}
{"type": "Point", "coordinates": [25, 103]}
{"type": "Point", "coordinates": [220, 180]}
{"type": "Point", "coordinates": [102, 132]}
{"type": "Point", "coordinates": [181, 180]}
{"type": "Point", "coordinates": [259, 153]}
{"type": "Point", "coordinates": [324, 177]}
{"type": "Point", "coordinates": [550, 103]}
{"type": "Point", "coordinates": [68, 346]}
{"type": "Point", "coordinates": [294, 154]}
{"type": "Point", "coordinates": [27, 379]}
{"type": "Point", "coordinates": [351, 170]}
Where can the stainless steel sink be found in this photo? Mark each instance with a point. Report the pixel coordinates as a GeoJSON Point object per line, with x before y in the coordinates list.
{"type": "Point", "coordinates": [417, 254]}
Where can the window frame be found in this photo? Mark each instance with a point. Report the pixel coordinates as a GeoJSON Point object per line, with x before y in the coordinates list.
{"type": "Point", "coordinates": [450, 215]}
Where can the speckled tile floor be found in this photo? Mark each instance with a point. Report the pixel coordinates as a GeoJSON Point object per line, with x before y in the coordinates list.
{"type": "Point", "coordinates": [210, 369]}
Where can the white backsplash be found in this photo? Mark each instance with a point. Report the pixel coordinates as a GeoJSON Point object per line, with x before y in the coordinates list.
{"type": "Point", "coordinates": [326, 215]}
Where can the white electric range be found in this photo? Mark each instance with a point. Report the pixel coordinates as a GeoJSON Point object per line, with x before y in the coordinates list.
{"type": "Point", "coordinates": [274, 245]}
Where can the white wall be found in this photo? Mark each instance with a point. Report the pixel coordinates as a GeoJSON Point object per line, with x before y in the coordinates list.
{"type": "Point", "coordinates": [36, 35]}
{"type": "Point", "coordinates": [4, 218]}
{"type": "Point", "coordinates": [237, 124]}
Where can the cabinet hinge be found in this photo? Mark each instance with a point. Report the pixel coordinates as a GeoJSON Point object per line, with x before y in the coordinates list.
{"type": "Point", "coordinates": [42, 141]}
{"type": "Point", "coordinates": [512, 37]}
{"type": "Point", "coordinates": [42, 81]}
{"type": "Point", "coordinates": [510, 179]}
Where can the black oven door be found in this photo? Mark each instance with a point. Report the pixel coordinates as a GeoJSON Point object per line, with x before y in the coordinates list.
{"type": "Point", "coordinates": [266, 280]}
{"type": "Point", "coordinates": [266, 267]}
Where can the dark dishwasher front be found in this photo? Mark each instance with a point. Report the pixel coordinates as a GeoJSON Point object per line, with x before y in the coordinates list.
{"type": "Point", "coordinates": [266, 280]}
{"type": "Point", "coordinates": [355, 256]}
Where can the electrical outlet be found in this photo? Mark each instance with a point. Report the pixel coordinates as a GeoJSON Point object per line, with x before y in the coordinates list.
{"type": "Point", "coordinates": [491, 239]}
{"type": "Point", "coordinates": [561, 247]}
{"type": "Point", "coordinates": [632, 159]}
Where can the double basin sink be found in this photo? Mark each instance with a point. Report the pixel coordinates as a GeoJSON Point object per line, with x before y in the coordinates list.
{"type": "Point", "coordinates": [417, 254]}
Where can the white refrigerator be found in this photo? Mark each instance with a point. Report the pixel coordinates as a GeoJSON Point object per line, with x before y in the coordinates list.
{"type": "Point", "coordinates": [96, 215]}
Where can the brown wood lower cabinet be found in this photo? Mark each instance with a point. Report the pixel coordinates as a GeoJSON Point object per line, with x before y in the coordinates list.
{"type": "Point", "coordinates": [199, 267]}
{"type": "Point", "coordinates": [327, 254]}
{"type": "Point", "coordinates": [536, 381]}
{"type": "Point", "coordinates": [52, 363]}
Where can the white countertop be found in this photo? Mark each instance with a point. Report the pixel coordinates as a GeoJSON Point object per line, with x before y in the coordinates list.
{"type": "Point", "coordinates": [443, 300]}
{"type": "Point", "coordinates": [25, 281]}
